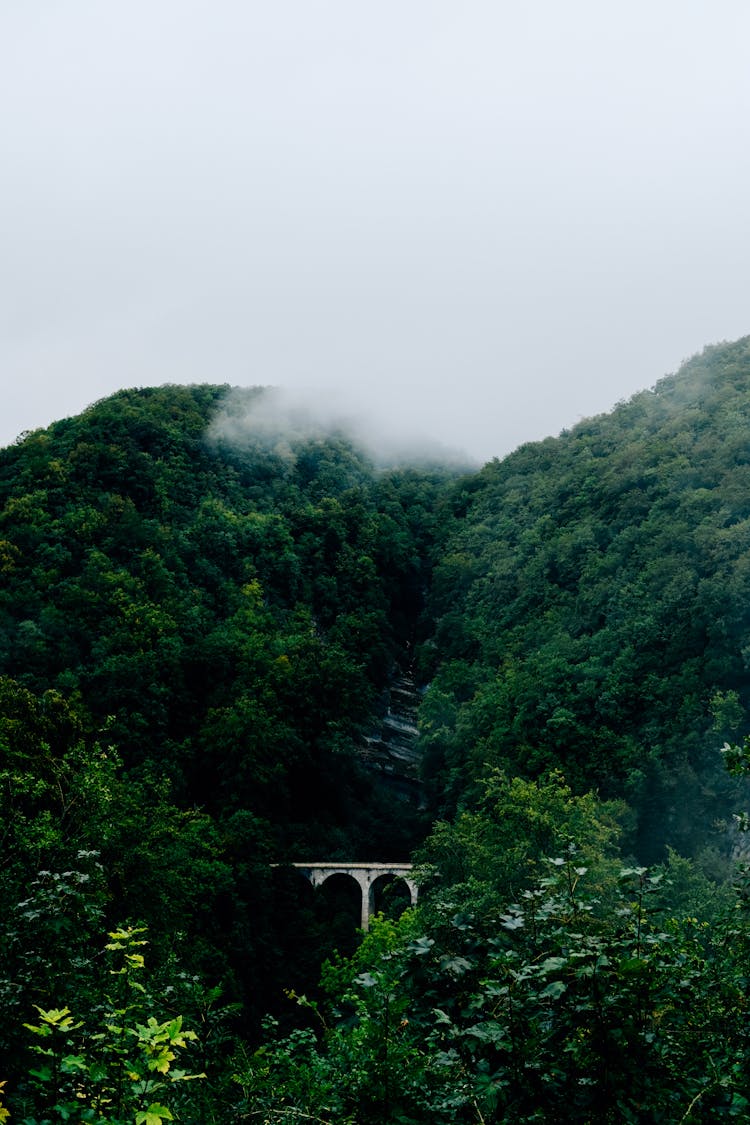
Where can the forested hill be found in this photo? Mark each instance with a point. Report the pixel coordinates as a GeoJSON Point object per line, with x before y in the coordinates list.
{"type": "Point", "coordinates": [227, 613]}
{"type": "Point", "coordinates": [223, 614]}
{"type": "Point", "coordinates": [198, 624]}
{"type": "Point", "coordinates": [593, 606]}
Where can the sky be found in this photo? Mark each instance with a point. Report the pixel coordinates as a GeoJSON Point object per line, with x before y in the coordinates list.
{"type": "Point", "coordinates": [476, 221]}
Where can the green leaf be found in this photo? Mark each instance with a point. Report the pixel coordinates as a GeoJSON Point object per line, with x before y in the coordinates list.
{"type": "Point", "coordinates": [154, 1115]}
{"type": "Point", "coordinates": [553, 964]}
{"type": "Point", "coordinates": [633, 965]}
{"type": "Point", "coordinates": [422, 945]}
{"type": "Point", "coordinates": [44, 1073]}
{"type": "Point", "coordinates": [73, 1064]}
{"type": "Point", "coordinates": [554, 990]}
{"type": "Point", "coordinates": [456, 966]}
{"type": "Point", "coordinates": [488, 1032]}
{"type": "Point", "coordinates": [511, 921]}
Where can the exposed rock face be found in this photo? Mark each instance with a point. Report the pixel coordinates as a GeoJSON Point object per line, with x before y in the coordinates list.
{"type": "Point", "coordinates": [393, 748]}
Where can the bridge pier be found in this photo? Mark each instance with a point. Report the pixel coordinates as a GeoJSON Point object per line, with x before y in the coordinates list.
{"type": "Point", "coordinates": [365, 874]}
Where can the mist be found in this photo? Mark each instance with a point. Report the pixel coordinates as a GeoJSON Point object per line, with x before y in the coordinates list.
{"type": "Point", "coordinates": [283, 419]}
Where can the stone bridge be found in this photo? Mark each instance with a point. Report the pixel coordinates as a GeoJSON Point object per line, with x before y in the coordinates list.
{"type": "Point", "coordinates": [365, 874]}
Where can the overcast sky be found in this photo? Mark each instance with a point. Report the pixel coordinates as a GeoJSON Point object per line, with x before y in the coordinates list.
{"type": "Point", "coordinates": [488, 219]}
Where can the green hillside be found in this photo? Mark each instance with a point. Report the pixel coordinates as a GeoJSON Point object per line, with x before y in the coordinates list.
{"type": "Point", "coordinates": [224, 615]}
{"type": "Point", "coordinates": [593, 606]}
{"type": "Point", "coordinates": [198, 627]}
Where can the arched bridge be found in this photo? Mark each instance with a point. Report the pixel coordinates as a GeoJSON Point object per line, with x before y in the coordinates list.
{"type": "Point", "coordinates": [366, 874]}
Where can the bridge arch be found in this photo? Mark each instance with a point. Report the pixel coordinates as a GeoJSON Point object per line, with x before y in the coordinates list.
{"type": "Point", "coordinates": [365, 874]}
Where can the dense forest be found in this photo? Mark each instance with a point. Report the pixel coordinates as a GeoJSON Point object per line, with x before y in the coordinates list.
{"type": "Point", "coordinates": [201, 623]}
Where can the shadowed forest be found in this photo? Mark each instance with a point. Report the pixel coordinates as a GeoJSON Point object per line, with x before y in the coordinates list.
{"type": "Point", "coordinates": [200, 630]}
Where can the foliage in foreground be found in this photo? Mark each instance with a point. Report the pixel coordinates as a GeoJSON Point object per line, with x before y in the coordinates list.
{"type": "Point", "coordinates": [559, 1015]}
{"type": "Point", "coordinates": [116, 1066]}
{"type": "Point", "coordinates": [539, 980]}
{"type": "Point", "coordinates": [544, 983]}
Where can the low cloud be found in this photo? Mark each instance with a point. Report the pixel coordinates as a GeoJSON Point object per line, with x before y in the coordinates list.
{"type": "Point", "coordinates": [282, 420]}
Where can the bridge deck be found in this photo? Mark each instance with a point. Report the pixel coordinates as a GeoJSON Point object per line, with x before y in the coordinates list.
{"type": "Point", "coordinates": [355, 866]}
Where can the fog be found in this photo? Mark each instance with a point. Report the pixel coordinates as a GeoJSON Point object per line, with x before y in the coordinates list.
{"type": "Point", "coordinates": [476, 223]}
{"type": "Point", "coordinates": [281, 420]}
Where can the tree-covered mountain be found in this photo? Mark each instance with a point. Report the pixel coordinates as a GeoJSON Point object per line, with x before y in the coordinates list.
{"type": "Point", "coordinates": [199, 620]}
{"type": "Point", "coordinates": [227, 614]}
{"type": "Point", "coordinates": [592, 606]}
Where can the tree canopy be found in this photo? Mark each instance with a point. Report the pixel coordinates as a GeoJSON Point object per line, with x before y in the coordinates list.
{"type": "Point", "coordinates": [198, 628]}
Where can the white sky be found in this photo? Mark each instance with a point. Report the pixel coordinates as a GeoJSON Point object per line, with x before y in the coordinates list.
{"type": "Point", "coordinates": [487, 218]}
